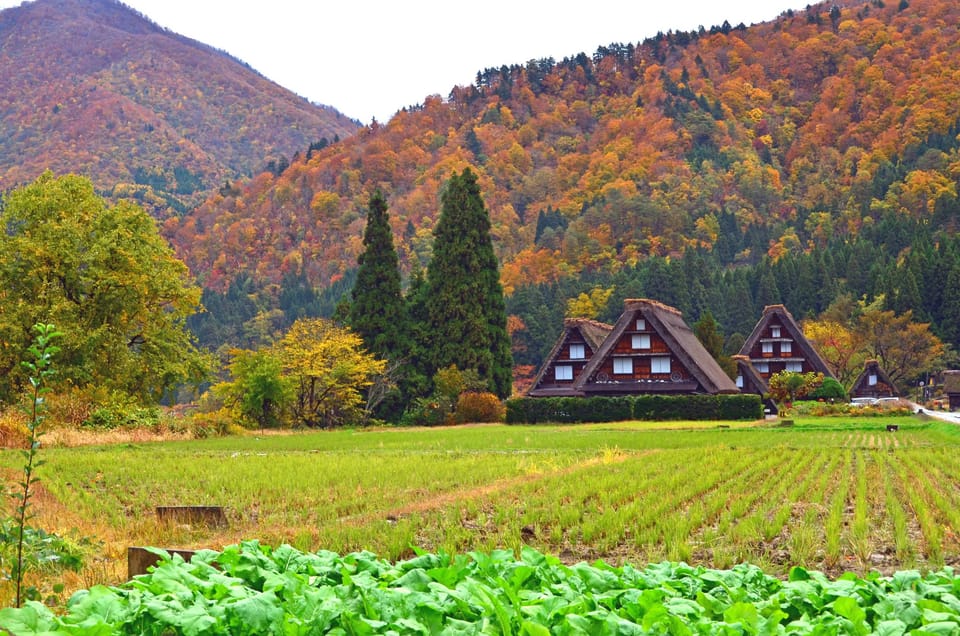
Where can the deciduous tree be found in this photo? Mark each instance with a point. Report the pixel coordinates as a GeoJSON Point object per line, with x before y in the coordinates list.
{"type": "Point", "coordinates": [330, 370]}
{"type": "Point", "coordinates": [258, 390]}
{"type": "Point", "coordinates": [904, 349]}
{"type": "Point", "coordinates": [106, 278]}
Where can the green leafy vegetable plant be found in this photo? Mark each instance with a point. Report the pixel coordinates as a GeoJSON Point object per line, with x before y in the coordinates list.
{"type": "Point", "coordinates": [255, 589]}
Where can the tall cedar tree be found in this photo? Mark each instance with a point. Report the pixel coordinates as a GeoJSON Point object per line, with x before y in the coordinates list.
{"type": "Point", "coordinates": [377, 310]}
{"type": "Point", "coordinates": [465, 306]}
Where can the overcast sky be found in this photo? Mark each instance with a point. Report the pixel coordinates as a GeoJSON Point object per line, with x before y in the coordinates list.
{"type": "Point", "coordinates": [370, 58]}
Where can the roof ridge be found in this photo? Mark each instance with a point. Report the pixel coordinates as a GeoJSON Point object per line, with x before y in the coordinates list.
{"type": "Point", "coordinates": [585, 321]}
{"type": "Point", "coordinates": [655, 304]}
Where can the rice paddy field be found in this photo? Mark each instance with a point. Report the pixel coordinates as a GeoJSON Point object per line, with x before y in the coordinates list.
{"type": "Point", "coordinates": [831, 494]}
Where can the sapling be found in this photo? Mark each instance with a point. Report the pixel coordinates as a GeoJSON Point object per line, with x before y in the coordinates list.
{"type": "Point", "coordinates": [39, 365]}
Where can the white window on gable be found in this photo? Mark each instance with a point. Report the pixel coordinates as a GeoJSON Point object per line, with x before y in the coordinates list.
{"type": "Point", "coordinates": [766, 347]}
{"type": "Point", "coordinates": [739, 381]}
{"type": "Point", "coordinates": [774, 332]}
{"type": "Point", "coordinates": [660, 365]}
{"type": "Point", "coordinates": [623, 366]}
{"type": "Point", "coordinates": [872, 379]}
{"type": "Point", "coordinates": [641, 324]}
{"type": "Point", "coordinates": [577, 352]}
{"type": "Point", "coordinates": [794, 366]}
{"type": "Point", "coordinates": [563, 372]}
{"type": "Point", "coordinates": [641, 341]}
{"type": "Point", "coordinates": [786, 347]}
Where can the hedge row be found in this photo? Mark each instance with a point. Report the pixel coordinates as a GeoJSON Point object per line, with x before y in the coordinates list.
{"type": "Point", "coordinates": [570, 410]}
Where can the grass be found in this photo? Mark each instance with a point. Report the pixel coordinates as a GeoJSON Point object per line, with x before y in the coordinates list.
{"type": "Point", "coordinates": [826, 493]}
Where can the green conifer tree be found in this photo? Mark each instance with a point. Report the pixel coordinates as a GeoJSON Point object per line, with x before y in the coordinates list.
{"type": "Point", "coordinates": [465, 305]}
{"type": "Point", "coordinates": [377, 311]}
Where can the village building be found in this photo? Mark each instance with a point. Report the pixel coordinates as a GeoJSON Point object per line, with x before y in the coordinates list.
{"type": "Point", "coordinates": [572, 351]}
{"type": "Point", "coordinates": [777, 344]}
{"type": "Point", "coordinates": [651, 350]}
{"type": "Point", "coordinates": [951, 387]}
{"type": "Point", "coordinates": [748, 380]}
{"type": "Point", "coordinates": [873, 382]}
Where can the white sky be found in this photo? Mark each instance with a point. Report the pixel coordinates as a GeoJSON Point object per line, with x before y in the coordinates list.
{"type": "Point", "coordinates": [370, 58]}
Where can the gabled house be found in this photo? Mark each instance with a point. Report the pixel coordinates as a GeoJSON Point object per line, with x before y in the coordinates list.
{"type": "Point", "coordinates": [651, 350]}
{"type": "Point", "coordinates": [777, 344]}
{"type": "Point", "coordinates": [873, 382]}
{"type": "Point", "coordinates": [748, 380]}
{"type": "Point", "coordinates": [951, 386]}
{"type": "Point", "coordinates": [577, 343]}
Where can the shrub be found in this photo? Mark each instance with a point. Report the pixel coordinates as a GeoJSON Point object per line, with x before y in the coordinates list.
{"type": "Point", "coordinates": [120, 410]}
{"type": "Point", "coordinates": [482, 406]}
{"type": "Point", "coordinates": [428, 411]}
{"type": "Point", "coordinates": [211, 424]}
{"type": "Point", "coordinates": [829, 390]}
{"type": "Point", "coordinates": [639, 407]}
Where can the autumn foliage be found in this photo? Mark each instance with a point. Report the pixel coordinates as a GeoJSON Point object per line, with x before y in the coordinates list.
{"type": "Point", "coordinates": [795, 127]}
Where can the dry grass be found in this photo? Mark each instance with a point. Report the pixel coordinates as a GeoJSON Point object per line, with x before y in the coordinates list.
{"type": "Point", "coordinates": [73, 437]}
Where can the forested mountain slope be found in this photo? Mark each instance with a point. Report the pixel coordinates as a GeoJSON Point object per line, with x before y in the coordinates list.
{"type": "Point", "coordinates": [793, 132]}
{"type": "Point", "coordinates": [92, 87]}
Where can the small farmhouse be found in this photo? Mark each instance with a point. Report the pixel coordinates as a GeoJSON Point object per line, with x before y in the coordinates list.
{"type": "Point", "coordinates": [574, 348]}
{"type": "Point", "coordinates": [748, 380]}
{"type": "Point", "coordinates": [951, 386]}
{"type": "Point", "coordinates": [777, 344]}
{"type": "Point", "coordinates": [651, 350]}
{"type": "Point", "coordinates": [873, 383]}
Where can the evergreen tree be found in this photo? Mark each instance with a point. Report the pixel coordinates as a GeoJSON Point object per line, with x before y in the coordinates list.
{"type": "Point", "coordinates": [465, 305]}
{"type": "Point", "coordinates": [708, 333]}
{"type": "Point", "coordinates": [376, 310]}
{"type": "Point", "coordinates": [950, 310]}
{"type": "Point", "coordinates": [767, 291]}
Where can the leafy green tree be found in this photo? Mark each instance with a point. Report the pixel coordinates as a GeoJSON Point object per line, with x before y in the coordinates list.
{"type": "Point", "coordinates": [788, 386]}
{"type": "Point", "coordinates": [107, 279]}
{"type": "Point", "coordinates": [258, 390]}
{"type": "Point", "coordinates": [467, 321]}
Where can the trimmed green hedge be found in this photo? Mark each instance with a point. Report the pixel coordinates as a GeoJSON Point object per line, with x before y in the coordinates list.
{"type": "Point", "coordinates": [572, 410]}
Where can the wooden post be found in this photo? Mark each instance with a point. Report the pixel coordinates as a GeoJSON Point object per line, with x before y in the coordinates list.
{"type": "Point", "coordinates": [139, 559]}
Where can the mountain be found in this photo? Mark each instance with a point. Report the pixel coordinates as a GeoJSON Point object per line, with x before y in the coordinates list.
{"type": "Point", "coordinates": [93, 87]}
{"type": "Point", "coordinates": [748, 143]}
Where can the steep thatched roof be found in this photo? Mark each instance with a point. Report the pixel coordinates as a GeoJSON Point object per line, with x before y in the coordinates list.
{"type": "Point", "coordinates": [862, 387]}
{"type": "Point", "coordinates": [753, 382]}
{"type": "Point", "coordinates": [780, 315]}
{"type": "Point", "coordinates": [951, 381]}
{"type": "Point", "coordinates": [668, 323]}
{"type": "Point", "coordinates": [593, 334]}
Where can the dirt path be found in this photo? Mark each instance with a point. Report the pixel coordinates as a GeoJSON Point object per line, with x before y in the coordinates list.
{"type": "Point", "coordinates": [444, 499]}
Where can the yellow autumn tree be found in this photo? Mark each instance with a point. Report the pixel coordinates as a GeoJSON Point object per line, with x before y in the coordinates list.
{"type": "Point", "coordinates": [589, 305]}
{"type": "Point", "coordinates": [330, 370]}
{"type": "Point", "coordinates": [840, 346]}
